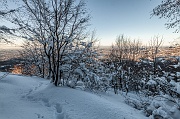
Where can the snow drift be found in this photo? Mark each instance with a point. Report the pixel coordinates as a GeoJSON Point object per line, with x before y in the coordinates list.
{"type": "Point", "coordinates": [33, 98]}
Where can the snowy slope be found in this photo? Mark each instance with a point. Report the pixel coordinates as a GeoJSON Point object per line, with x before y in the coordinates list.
{"type": "Point", "coordinates": [13, 105]}
{"type": "Point", "coordinates": [32, 98]}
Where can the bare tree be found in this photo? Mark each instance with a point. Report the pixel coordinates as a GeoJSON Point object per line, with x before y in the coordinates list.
{"type": "Point", "coordinates": [123, 56]}
{"type": "Point", "coordinates": [35, 62]}
{"type": "Point", "coordinates": [125, 49]}
{"type": "Point", "coordinates": [154, 46]}
{"type": "Point", "coordinates": [119, 43]}
{"type": "Point", "coordinates": [119, 50]}
{"type": "Point", "coordinates": [55, 24]}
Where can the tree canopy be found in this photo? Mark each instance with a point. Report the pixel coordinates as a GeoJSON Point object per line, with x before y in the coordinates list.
{"type": "Point", "coordinates": [170, 10]}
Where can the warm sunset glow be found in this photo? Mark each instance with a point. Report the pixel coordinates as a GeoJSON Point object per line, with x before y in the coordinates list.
{"type": "Point", "coordinates": [17, 69]}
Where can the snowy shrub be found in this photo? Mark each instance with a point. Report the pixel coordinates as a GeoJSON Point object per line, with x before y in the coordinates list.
{"type": "Point", "coordinates": [151, 88]}
{"type": "Point", "coordinates": [170, 78]}
{"type": "Point", "coordinates": [103, 84]}
{"type": "Point", "coordinates": [80, 85]}
{"type": "Point", "coordinates": [148, 110]}
{"type": "Point", "coordinates": [71, 83]}
{"type": "Point", "coordinates": [96, 83]}
{"type": "Point", "coordinates": [178, 74]}
{"type": "Point", "coordinates": [151, 107]}
{"type": "Point", "coordinates": [162, 107]}
{"type": "Point", "coordinates": [134, 103]}
{"type": "Point", "coordinates": [160, 113]}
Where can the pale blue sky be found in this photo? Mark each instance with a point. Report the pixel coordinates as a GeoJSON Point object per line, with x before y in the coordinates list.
{"type": "Point", "coordinates": [129, 17]}
{"type": "Point", "coordinates": [111, 18]}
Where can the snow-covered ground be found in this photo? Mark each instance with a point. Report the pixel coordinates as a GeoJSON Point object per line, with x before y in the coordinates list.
{"type": "Point", "coordinates": [32, 98]}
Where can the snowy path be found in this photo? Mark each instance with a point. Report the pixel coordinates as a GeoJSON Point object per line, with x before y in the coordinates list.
{"type": "Point", "coordinates": [13, 103]}
{"type": "Point", "coordinates": [77, 104]}
{"type": "Point", "coordinates": [34, 98]}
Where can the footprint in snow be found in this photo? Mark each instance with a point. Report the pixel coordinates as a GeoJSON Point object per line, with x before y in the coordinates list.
{"type": "Point", "coordinates": [59, 114]}
{"type": "Point", "coordinates": [46, 102]}
{"type": "Point", "coordinates": [39, 115]}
